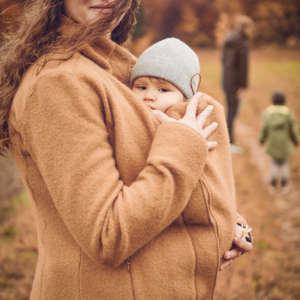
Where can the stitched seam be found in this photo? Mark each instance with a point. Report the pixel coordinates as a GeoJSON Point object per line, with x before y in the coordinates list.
{"type": "Point", "coordinates": [43, 265]}
{"type": "Point", "coordinates": [131, 277]}
{"type": "Point", "coordinates": [79, 274]}
{"type": "Point", "coordinates": [195, 254]}
{"type": "Point", "coordinates": [43, 233]}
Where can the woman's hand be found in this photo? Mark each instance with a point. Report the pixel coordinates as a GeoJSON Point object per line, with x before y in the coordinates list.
{"type": "Point", "coordinates": [192, 120]}
{"type": "Point", "coordinates": [240, 245]}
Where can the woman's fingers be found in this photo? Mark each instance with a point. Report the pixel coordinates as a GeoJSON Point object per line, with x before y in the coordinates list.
{"type": "Point", "coordinates": [211, 145]}
{"type": "Point", "coordinates": [242, 244]}
{"type": "Point", "coordinates": [201, 118]}
{"type": "Point", "coordinates": [229, 257]}
{"type": "Point", "coordinates": [233, 253]}
{"type": "Point", "coordinates": [192, 107]}
{"type": "Point", "coordinates": [225, 264]}
{"type": "Point", "coordinates": [240, 247]}
{"type": "Point", "coordinates": [192, 120]}
{"type": "Point", "coordinates": [162, 117]}
{"type": "Point", "coordinates": [207, 131]}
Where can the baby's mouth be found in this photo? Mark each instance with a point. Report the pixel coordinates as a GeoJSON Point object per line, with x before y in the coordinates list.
{"type": "Point", "coordinates": [150, 104]}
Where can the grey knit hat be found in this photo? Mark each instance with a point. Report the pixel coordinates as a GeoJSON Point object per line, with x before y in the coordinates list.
{"type": "Point", "coordinates": [172, 60]}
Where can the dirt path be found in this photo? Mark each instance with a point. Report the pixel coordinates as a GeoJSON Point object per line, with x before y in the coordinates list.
{"type": "Point", "coordinates": [265, 273]}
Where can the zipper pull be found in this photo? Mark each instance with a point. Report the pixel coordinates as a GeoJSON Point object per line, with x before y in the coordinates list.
{"type": "Point", "coordinates": [128, 264]}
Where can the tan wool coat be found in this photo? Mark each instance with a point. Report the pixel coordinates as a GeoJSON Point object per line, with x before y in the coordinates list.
{"type": "Point", "coordinates": [126, 207]}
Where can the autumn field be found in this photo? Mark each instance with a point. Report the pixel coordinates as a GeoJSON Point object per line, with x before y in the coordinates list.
{"type": "Point", "coordinates": [272, 269]}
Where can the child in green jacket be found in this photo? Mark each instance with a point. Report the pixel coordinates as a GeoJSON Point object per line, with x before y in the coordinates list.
{"type": "Point", "coordinates": [279, 133]}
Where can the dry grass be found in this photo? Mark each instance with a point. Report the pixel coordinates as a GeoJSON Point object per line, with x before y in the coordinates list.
{"type": "Point", "coordinates": [18, 251]}
{"type": "Point", "coordinates": [272, 270]}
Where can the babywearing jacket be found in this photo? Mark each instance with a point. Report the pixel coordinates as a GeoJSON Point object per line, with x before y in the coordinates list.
{"type": "Point", "coordinates": [125, 207]}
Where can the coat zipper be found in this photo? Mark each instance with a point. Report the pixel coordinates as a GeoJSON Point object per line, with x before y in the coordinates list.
{"type": "Point", "coordinates": [131, 277]}
{"type": "Point", "coordinates": [215, 229]}
{"type": "Point", "coordinates": [195, 253]}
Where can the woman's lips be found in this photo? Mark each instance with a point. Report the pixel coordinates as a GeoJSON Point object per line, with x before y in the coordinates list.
{"type": "Point", "coordinates": [104, 8]}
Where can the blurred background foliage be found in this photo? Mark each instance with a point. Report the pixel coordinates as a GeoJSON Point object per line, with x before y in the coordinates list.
{"type": "Point", "coordinates": [204, 23]}
{"type": "Point", "coordinates": [201, 23]}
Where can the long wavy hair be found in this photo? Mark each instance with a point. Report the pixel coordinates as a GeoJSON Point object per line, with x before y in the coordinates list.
{"type": "Point", "coordinates": [38, 34]}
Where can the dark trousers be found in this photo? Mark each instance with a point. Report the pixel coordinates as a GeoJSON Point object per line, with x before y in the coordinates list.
{"type": "Point", "coordinates": [233, 104]}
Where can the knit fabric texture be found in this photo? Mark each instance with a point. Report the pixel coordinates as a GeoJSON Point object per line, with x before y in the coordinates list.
{"type": "Point", "coordinates": [172, 60]}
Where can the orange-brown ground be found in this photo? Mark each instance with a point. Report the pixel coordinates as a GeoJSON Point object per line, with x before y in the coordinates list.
{"type": "Point", "coordinates": [272, 270]}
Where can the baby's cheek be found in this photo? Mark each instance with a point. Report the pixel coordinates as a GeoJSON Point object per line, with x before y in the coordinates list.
{"type": "Point", "coordinates": [166, 106]}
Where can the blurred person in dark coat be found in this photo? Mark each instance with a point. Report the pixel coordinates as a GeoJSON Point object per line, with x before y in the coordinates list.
{"type": "Point", "coordinates": [235, 60]}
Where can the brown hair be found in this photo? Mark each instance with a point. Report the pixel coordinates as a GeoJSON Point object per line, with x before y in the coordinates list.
{"type": "Point", "coordinates": [39, 34]}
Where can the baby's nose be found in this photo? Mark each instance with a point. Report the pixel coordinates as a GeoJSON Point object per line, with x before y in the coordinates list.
{"type": "Point", "coordinates": [150, 96]}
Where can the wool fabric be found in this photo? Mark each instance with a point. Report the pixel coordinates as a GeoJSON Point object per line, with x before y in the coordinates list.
{"type": "Point", "coordinates": [125, 207]}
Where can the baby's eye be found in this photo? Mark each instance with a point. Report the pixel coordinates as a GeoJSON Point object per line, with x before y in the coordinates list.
{"type": "Point", "coordinates": [141, 87]}
{"type": "Point", "coordinates": [163, 90]}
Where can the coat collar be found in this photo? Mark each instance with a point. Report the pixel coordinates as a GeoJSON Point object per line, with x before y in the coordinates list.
{"type": "Point", "coordinates": [110, 56]}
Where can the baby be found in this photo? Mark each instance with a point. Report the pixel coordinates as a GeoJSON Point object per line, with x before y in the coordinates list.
{"type": "Point", "coordinates": [167, 73]}
{"type": "Point", "coordinates": [165, 76]}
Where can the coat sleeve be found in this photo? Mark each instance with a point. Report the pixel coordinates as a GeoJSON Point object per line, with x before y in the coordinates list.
{"type": "Point", "coordinates": [294, 131]}
{"type": "Point", "coordinates": [216, 183]}
{"type": "Point", "coordinates": [65, 133]}
{"type": "Point", "coordinates": [263, 135]}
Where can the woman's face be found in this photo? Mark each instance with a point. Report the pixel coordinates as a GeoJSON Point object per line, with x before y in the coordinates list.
{"type": "Point", "coordinates": [87, 11]}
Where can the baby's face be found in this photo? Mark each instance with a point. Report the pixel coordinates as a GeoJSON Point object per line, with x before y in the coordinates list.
{"type": "Point", "coordinates": [157, 93]}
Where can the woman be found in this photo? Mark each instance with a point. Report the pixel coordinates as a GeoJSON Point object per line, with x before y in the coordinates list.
{"type": "Point", "coordinates": [109, 188]}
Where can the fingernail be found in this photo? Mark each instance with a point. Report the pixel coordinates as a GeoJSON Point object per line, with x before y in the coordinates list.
{"type": "Point", "coordinates": [210, 107]}
{"type": "Point", "coordinates": [155, 112]}
{"type": "Point", "coordinates": [216, 124]}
